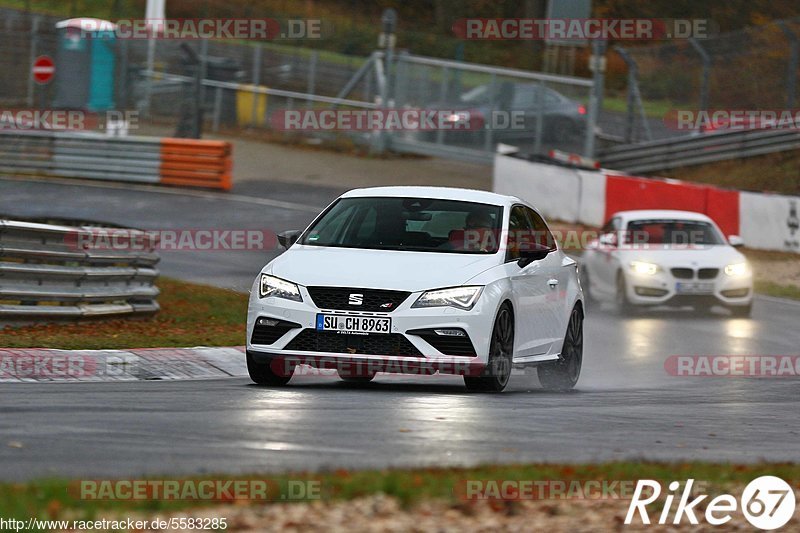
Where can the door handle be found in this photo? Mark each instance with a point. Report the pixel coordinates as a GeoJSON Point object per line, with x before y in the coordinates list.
{"type": "Point", "coordinates": [553, 283]}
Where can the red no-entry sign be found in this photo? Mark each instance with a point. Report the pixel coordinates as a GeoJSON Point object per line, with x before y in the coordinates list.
{"type": "Point", "coordinates": [43, 69]}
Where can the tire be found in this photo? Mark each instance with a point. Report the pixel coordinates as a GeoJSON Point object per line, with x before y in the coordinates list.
{"type": "Point", "coordinates": [264, 374]}
{"type": "Point", "coordinates": [561, 130]}
{"type": "Point", "coordinates": [743, 311]}
{"type": "Point", "coordinates": [562, 375]}
{"type": "Point", "coordinates": [624, 306]}
{"type": "Point", "coordinates": [366, 378]}
{"type": "Point", "coordinates": [495, 376]}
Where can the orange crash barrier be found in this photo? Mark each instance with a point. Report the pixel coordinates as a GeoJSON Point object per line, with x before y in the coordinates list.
{"type": "Point", "coordinates": [196, 163]}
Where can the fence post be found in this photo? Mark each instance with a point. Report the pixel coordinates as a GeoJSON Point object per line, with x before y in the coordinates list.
{"type": "Point", "coordinates": [489, 132]}
{"type": "Point", "coordinates": [794, 57]}
{"type": "Point", "coordinates": [34, 42]}
{"type": "Point", "coordinates": [634, 97]}
{"type": "Point", "coordinates": [537, 146]}
{"type": "Point", "coordinates": [256, 80]}
{"type": "Point", "coordinates": [704, 82]}
{"type": "Point", "coordinates": [598, 64]}
{"type": "Point", "coordinates": [312, 77]}
{"type": "Point", "coordinates": [217, 110]}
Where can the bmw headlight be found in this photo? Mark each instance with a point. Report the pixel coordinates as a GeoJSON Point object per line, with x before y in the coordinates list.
{"type": "Point", "coordinates": [644, 269]}
{"type": "Point", "coordinates": [458, 297]}
{"type": "Point", "coordinates": [737, 270]}
{"type": "Point", "coordinates": [280, 288]}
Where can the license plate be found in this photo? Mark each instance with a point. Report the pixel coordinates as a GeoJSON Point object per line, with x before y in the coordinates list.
{"type": "Point", "coordinates": [363, 325]}
{"type": "Point", "coordinates": [695, 288]}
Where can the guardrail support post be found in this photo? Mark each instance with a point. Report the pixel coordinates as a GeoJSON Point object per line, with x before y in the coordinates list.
{"type": "Point", "coordinates": [704, 82]}
{"type": "Point", "coordinates": [794, 58]}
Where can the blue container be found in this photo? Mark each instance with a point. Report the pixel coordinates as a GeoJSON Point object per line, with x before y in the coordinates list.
{"type": "Point", "coordinates": [85, 64]}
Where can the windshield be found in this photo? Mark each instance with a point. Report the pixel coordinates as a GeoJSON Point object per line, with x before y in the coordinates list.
{"type": "Point", "coordinates": [411, 224]}
{"type": "Point", "coordinates": [673, 232]}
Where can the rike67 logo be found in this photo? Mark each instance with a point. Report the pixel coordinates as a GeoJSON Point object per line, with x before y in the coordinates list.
{"type": "Point", "coordinates": [768, 503]}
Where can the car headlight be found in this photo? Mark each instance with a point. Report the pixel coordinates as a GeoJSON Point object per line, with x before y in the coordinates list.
{"type": "Point", "coordinates": [737, 270]}
{"type": "Point", "coordinates": [459, 297]}
{"type": "Point", "coordinates": [280, 288]}
{"type": "Point", "coordinates": [644, 269]}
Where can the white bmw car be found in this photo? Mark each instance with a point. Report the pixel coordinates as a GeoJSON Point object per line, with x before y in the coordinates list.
{"type": "Point", "coordinates": [666, 257]}
{"type": "Point", "coordinates": [418, 280]}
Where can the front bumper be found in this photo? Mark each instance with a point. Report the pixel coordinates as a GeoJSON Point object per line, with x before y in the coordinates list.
{"type": "Point", "coordinates": [662, 288]}
{"type": "Point", "coordinates": [400, 351]}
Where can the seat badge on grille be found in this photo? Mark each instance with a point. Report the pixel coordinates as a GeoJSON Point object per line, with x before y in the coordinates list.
{"type": "Point", "coordinates": [356, 299]}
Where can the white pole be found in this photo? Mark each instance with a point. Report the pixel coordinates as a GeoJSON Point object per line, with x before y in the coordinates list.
{"type": "Point", "coordinates": [155, 12]}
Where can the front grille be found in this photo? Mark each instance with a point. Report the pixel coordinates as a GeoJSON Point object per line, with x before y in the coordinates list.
{"type": "Point", "coordinates": [268, 334]}
{"type": "Point", "coordinates": [447, 344]}
{"type": "Point", "coordinates": [708, 273]}
{"type": "Point", "coordinates": [373, 300]}
{"type": "Point", "coordinates": [683, 273]}
{"type": "Point", "coordinates": [311, 340]}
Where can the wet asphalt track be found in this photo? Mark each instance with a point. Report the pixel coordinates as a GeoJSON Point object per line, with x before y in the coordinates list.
{"type": "Point", "coordinates": [626, 406]}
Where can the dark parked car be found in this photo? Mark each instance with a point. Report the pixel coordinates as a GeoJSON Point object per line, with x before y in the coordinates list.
{"type": "Point", "coordinates": [486, 107]}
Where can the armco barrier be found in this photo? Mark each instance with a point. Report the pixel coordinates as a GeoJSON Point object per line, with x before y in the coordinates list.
{"type": "Point", "coordinates": [184, 162]}
{"type": "Point", "coordinates": [45, 272]}
{"type": "Point", "coordinates": [764, 221]}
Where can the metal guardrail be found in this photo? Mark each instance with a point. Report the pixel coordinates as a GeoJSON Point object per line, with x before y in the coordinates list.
{"type": "Point", "coordinates": [695, 150]}
{"type": "Point", "coordinates": [46, 271]}
{"type": "Point", "coordinates": [187, 162]}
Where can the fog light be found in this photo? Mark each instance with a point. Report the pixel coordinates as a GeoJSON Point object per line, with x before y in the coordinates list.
{"type": "Point", "coordinates": [269, 322]}
{"type": "Point", "coordinates": [649, 291]}
{"type": "Point", "coordinates": [736, 293]}
{"type": "Point", "coordinates": [450, 332]}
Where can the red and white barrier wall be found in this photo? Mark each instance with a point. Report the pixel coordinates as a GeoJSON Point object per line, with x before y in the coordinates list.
{"type": "Point", "coordinates": [764, 221]}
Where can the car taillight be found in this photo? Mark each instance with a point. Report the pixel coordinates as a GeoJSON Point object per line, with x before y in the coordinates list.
{"type": "Point", "coordinates": [582, 109]}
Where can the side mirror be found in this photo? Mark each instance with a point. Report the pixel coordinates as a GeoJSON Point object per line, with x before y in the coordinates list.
{"type": "Point", "coordinates": [533, 253]}
{"type": "Point", "coordinates": [735, 241]}
{"type": "Point", "coordinates": [608, 239]}
{"type": "Point", "coordinates": [289, 237]}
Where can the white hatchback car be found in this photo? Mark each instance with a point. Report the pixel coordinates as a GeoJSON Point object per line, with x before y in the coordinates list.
{"type": "Point", "coordinates": [419, 280]}
{"type": "Point", "coordinates": [666, 257]}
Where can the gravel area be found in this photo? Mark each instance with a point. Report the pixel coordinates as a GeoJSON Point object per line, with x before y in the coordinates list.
{"type": "Point", "coordinates": [380, 513]}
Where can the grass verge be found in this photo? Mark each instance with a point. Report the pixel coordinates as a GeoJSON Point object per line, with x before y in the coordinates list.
{"type": "Point", "coordinates": [56, 499]}
{"type": "Point", "coordinates": [771, 172]}
{"type": "Point", "coordinates": [191, 315]}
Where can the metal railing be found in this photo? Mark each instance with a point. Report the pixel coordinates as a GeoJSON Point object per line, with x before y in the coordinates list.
{"type": "Point", "coordinates": [47, 271]}
{"type": "Point", "coordinates": [705, 148]}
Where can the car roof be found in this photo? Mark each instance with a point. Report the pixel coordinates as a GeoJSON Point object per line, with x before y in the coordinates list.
{"type": "Point", "coordinates": [657, 214]}
{"type": "Point", "coordinates": [443, 193]}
